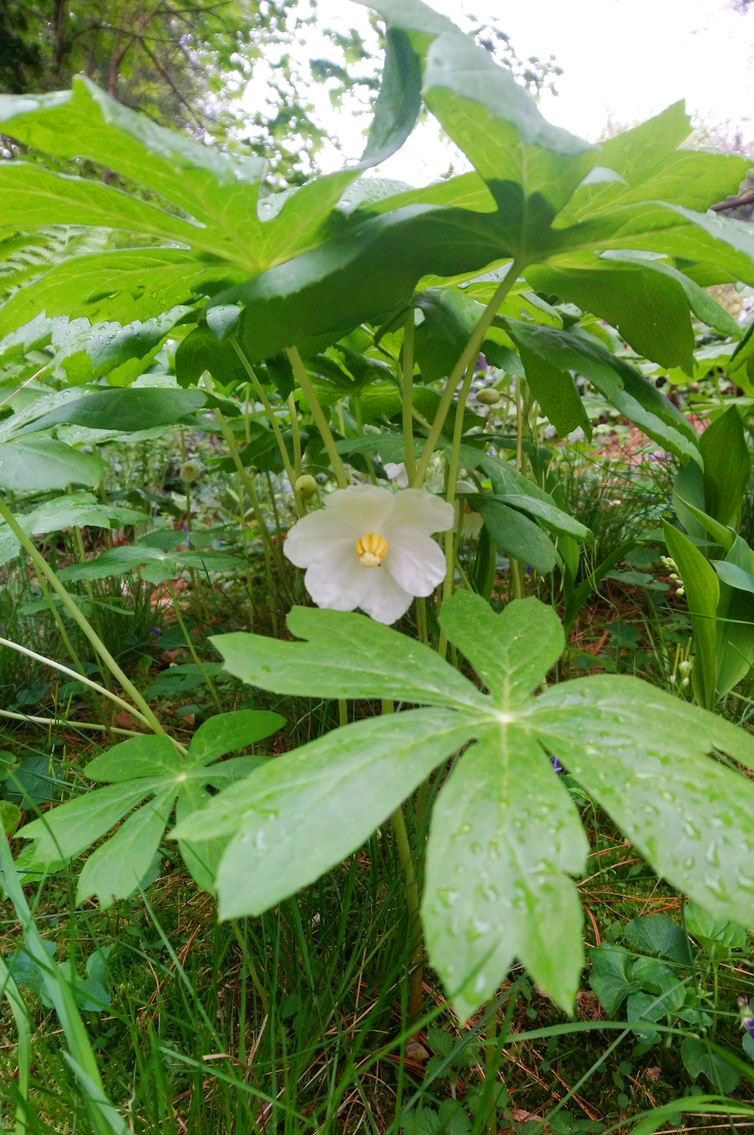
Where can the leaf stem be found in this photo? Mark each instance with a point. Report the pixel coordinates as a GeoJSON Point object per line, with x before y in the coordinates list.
{"type": "Point", "coordinates": [320, 421]}
{"type": "Point", "coordinates": [416, 980]}
{"type": "Point", "coordinates": [465, 359]}
{"type": "Point", "coordinates": [269, 411]}
{"type": "Point", "coordinates": [25, 717]}
{"type": "Point", "coordinates": [75, 674]}
{"type": "Point", "coordinates": [407, 389]}
{"type": "Point", "coordinates": [451, 544]}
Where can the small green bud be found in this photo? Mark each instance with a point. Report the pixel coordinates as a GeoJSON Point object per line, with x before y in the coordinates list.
{"type": "Point", "coordinates": [190, 471]}
{"type": "Point", "coordinates": [489, 396]}
{"type": "Point", "coordinates": [306, 486]}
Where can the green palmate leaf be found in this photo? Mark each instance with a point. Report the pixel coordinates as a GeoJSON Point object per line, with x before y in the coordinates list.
{"type": "Point", "coordinates": [80, 509]}
{"type": "Point", "coordinates": [68, 830]}
{"type": "Point", "coordinates": [556, 392]}
{"type": "Point", "coordinates": [116, 868]}
{"type": "Point", "coordinates": [35, 197]}
{"type": "Point", "coordinates": [491, 645]}
{"type": "Point", "coordinates": [123, 284]}
{"type": "Point", "coordinates": [147, 771]}
{"type": "Point", "coordinates": [514, 534]}
{"type": "Point", "coordinates": [227, 732]}
{"type": "Point", "coordinates": [724, 247]}
{"type": "Point", "coordinates": [303, 813]}
{"type": "Point", "coordinates": [345, 655]}
{"type": "Point", "coordinates": [703, 592]}
{"type": "Point", "coordinates": [620, 383]}
{"type": "Point", "coordinates": [550, 515]}
{"type": "Point", "coordinates": [449, 319]}
{"type": "Point", "coordinates": [530, 166]}
{"type": "Point", "coordinates": [650, 168]}
{"type": "Point", "coordinates": [363, 272]}
{"type": "Point", "coordinates": [132, 410]}
{"type": "Point", "coordinates": [504, 832]}
{"type": "Point", "coordinates": [43, 463]}
{"type": "Point", "coordinates": [156, 566]}
{"type": "Point", "coordinates": [82, 352]}
{"type": "Point", "coordinates": [642, 754]}
{"type": "Point", "coordinates": [398, 102]}
{"type": "Point", "coordinates": [203, 198]}
{"type": "Point", "coordinates": [648, 307]}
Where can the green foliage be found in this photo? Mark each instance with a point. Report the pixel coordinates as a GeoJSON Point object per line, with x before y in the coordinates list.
{"type": "Point", "coordinates": [302, 813]}
{"type": "Point", "coordinates": [147, 771]}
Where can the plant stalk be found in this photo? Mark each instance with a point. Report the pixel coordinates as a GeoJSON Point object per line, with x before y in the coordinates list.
{"type": "Point", "coordinates": [320, 421]}
{"type": "Point", "coordinates": [466, 359]}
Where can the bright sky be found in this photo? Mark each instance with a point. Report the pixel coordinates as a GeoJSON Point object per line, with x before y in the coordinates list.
{"type": "Point", "coordinates": [623, 60]}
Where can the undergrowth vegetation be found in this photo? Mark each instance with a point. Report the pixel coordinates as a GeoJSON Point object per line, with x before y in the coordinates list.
{"type": "Point", "coordinates": [376, 625]}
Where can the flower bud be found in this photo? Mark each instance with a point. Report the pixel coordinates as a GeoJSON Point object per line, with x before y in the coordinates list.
{"type": "Point", "coordinates": [190, 471]}
{"type": "Point", "coordinates": [306, 486]}
{"type": "Point", "coordinates": [489, 396]}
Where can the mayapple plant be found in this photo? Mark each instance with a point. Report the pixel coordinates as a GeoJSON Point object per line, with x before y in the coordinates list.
{"type": "Point", "coordinates": [505, 838]}
{"type": "Point", "coordinates": [193, 294]}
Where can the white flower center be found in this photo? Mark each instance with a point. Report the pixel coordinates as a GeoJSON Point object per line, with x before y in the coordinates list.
{"type": "Point", "coordinates": [371, 548]}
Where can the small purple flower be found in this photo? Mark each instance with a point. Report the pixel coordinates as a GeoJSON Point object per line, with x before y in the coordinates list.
{"type": "Point", "coordinates": [155, 631]}
{"type": "Point", "coordinates": [749, 1026]}
{"type": "Point", "coordinates": [556, 764]}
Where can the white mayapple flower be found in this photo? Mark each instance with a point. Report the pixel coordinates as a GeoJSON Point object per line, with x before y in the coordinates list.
{"type": "Point", "coordinates": [397, 473]}
{"type": "Point", "coordinates": [372, 549]}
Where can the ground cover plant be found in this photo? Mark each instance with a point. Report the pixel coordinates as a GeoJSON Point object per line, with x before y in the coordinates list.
{"type": "Point", "coordinates": [377, 624]}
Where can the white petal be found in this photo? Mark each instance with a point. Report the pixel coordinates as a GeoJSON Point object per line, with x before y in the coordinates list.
{"type": "Point", "coordinates": [311, 536]}
{"type": "Point", "coordinates": [397, 473]}
{"type": "Point", "coordinates": [364, 508]}
{"type": "Point", "coordinates": [415, 561]}
{"type": "Point", "coordinates": [416, 508]}
{"type": "Point", "coordinates": [338, 580]}
{"type": "Point", "coordinates": [384, 599]}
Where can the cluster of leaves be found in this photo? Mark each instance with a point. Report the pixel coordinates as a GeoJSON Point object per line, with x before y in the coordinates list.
{"type": "Point", "coordinates": [196, 271]}
{"type": "Point", "coordinates": [655, 981]}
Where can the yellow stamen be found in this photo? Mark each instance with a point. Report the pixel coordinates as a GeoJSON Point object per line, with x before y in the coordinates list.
{"type": "Point", "coordinates": [371, 548]}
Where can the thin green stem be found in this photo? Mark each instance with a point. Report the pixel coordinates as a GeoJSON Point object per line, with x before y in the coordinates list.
{"type": "Point", "coordinates": [403, 845]}
{"type": "Point", "coordinates": [320, 421]}
{"type": "Point", "coordinates": [295, 431]}
{"type": "Point", "coordinates": [72, 652]}
{"type": "Point", "coordinates": [407, 390]}
{"type": "Point", "coordinates": [269, 411]}
{"type": "Point", "coordinates": [517, 570]}
{"type": "Point", "coordinates": [247, 481]}
{"type": "Point", "coordinates": [451, 544]}
{"type": "Point", "coordinates": [71, 606]}
{"type": "Point", "coordinates": [467, 357]}
{"type": "Point", "coordinates": [25, 717]}
{"type": "Point", "coordinates": [76, 676]}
